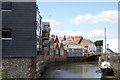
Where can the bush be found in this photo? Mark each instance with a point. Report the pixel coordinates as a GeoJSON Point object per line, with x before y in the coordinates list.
{"type": "Point", "coordinates": [3, 75]}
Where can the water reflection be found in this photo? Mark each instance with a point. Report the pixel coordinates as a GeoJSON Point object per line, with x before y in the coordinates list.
{"type": "Point", "coordinates": [73, 71]}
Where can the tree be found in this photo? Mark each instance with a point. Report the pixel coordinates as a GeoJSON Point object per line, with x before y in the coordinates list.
{"type": "Point", "coordinates": [99, 43]}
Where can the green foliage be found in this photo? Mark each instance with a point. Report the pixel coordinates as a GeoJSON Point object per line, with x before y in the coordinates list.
{"type": "Point", "coordinates": [117, 72]}
{"type": "Point", "coordinates": [3, 75]}
{"type": "Point", "coordinates": [99, 43]}
{"type": "Point", "coordinates": [0, 73]}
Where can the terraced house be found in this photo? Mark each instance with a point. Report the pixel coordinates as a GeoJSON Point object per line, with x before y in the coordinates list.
{"type": "Point", "coordinates": [21, 38]}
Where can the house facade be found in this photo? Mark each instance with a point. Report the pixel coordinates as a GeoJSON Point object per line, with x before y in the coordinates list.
{"type": "Point", "coordinates": [91, 48]}
{"type": "Point", "coordinates": [52, 51]}
{"type": "Point", "coordinates": [61, 48]}
{"type": "Point", "coordinates": [19, 30]}
{"type": "Point", "coordinates": [51, 48]}
{"type": "Point", "coordinates": [73, 49]}
{"type": "Point", "coordinates": [57, 49]}
{"type": "Point", "coordinates": [88, 45]}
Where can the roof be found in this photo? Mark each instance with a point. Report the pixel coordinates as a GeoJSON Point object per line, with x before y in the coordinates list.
{"type": "Point", "coordinates": [56, 40]}
{"type": "Point", "coordinates": [85, 42]}
{"type": "Point", "coordinates": [69, 43]}
{"type": "Point", "coordinates": [75, 39]}
{"type": "Point", "coordinates": [60, 45]}
{"type": "Point", "coordinates": [56, 45]}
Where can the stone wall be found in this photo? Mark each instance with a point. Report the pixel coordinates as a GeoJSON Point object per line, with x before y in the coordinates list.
{"type": "Point", "coordinates": [115, 64]}
{"type": "Point", "coordinates": [115, 61]}
{"type": "Point", "coordinates": [40, 65]}
{"type": "Point", "coordinates": [19, 67]}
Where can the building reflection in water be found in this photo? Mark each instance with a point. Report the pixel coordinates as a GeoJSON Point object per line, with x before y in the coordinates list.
{"type": "Point", "coordinates": [74, 71]}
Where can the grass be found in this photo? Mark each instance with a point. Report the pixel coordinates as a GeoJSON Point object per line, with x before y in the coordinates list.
{"type": "Point", "coordinates": [117, 72]}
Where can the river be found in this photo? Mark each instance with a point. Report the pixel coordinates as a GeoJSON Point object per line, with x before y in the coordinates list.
{"type": "Point", "coordinates": [73, 70]}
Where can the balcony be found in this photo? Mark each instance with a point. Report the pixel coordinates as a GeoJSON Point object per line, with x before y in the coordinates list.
{"type": "Point", "coordinates": [45, 36]}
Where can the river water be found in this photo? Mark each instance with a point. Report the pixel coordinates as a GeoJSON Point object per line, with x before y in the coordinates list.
{"type": "Point", "coordinates": [73, 70]}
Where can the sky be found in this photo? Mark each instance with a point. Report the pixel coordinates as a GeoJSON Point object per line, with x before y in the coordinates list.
{"type": "Point", "coordinates": [87, 19]}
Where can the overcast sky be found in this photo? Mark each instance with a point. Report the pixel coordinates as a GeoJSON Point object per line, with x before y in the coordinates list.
{"type": "Point", "coordinates": [81, 18]}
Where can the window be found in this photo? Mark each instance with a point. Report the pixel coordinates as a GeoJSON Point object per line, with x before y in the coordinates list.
{"type": "Point", "coordinates": [6, 5]}
{"type": "Point", "coordinates": [57, 51]}
{"type": "Point", "coordinates": [6, 33]}
{"type": "Point", "coordinates": [70, 50]}
{"type": "Point", "coordinates": [46, 28]}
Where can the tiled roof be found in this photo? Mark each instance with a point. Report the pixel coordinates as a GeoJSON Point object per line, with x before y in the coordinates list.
{"type": "Point", "coordinates": [69, 43]}
{"type": "Point", "coordinates": [85, 42]}
{"type": "Point", "coordinates": [75, 39]}
{"type": "Point", "coordinates": [56, 45]}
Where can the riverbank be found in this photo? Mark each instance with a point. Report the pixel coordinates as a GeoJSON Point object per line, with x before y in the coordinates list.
{"type": "Point", "coordinates": [115, 77]}
{"type": "Point", "coordinates": [115, 64]}
{"type": "Point", "coordinates": [64, 61]}
{"type": "Point", "coordinates": [72, 70]}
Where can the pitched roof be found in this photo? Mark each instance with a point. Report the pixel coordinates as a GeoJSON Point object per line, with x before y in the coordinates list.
{"type": "Point", "coordinates": [60, 45]}
{"type": "Point", "coordinates": [56, 45]}
{"type": "Point", "coordinates": [85, 42]}
{"type": "Point", "coordinates": [69, 43]}
{"type": "Point", "coordinates": [56, 40]}
{"type": "Point", "coordinates": [53, 37]}
{"type": "Point", "coordinates": [75, 39]}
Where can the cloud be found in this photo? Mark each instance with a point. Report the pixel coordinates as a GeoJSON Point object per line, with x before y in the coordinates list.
{"type": "Point", "coordinates": [110, 16]}
{"type": "Point", "coordinates": [66, 32]}
{"type": "Point", "coordinates": [100, 34]}
{"type": "Point", "coordinates": [93, 35]}
{"type": "Point", "coordinates": [113, 44]}
{"type": "Point", "coordinates": [53, 23]}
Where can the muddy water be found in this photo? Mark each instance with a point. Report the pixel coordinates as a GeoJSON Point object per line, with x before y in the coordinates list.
{"type": "Point", "coordinates": [73, 71]}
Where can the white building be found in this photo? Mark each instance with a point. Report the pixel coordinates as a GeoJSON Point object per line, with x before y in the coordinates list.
{"type": "Point", "coordinates": [91, 47]}
{"type": "Point", "coordinates": [73, 49]}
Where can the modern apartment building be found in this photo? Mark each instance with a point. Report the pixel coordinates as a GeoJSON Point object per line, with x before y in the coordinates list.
{"type": "Point", "coordinates": [20, 21]}
{"type": "Point", "coordinates": [46, 39]}
{"type": "Point", "coordinates": [39, 32]}
{"type": "Point", "coordinates": [21, 38]}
